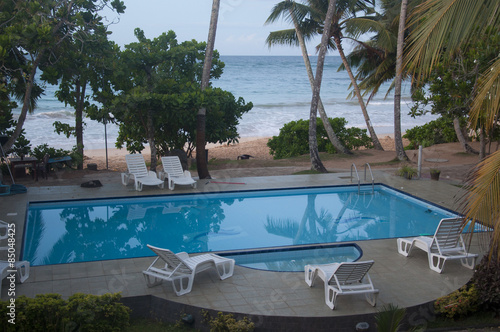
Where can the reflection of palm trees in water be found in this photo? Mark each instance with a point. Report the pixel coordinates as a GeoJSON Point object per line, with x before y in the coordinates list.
{"type": "Point", "coordinates": [322, 227]}
{"type": "Point", "coordinates": [124, 230]}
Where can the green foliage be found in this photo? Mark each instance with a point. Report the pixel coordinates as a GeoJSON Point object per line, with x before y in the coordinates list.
{"type": "Point", "coordinates": [41, 150]}
{"type": "Point", "coordinates": [434, 132]}
{"type": "Point", "coordinates": [293, 139]}
{"type": "Point", "coordinates": [487, 283]}
{"type": "Point", "coordinates": [406, 171]}
{"type": "Point", "coordinates": [389, 318]}
{"type": "Point", "coordinates": [81, 312]}
{"type": "Point", "coordinates": [460, 303]}
{"type": "Point", "coordinates": [227, 323]}
{"type": "Point", "coordinates": [22, 146]}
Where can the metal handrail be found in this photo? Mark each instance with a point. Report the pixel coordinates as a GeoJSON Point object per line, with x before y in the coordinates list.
{"type": "Point", "coordinates": [373, 180]}
{"type": "Point", "coordinates": [357, 175]}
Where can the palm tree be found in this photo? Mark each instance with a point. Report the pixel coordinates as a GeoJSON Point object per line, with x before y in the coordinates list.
{"type": "Point", "coordinates": [297, 12]}
{"type": "Point", "coordinates": [441, 27]}
{"type": "Point", "coordinates": [347, 9]}
{"type": "Point", "coordinates": [313, 143]}
{"type": "Point", "coordinates": [201, 161]}
{"type": "Point", "coordinates": [400, 151]}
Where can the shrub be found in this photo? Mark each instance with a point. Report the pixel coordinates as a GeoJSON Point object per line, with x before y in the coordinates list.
{"type": "Point", "coordinates": [226, 323]}
{"type": "Point", "coordinates": [81, 312]}
{"type": "Point", "coordinates": [293, 139]}
{"type": "Point", "coordinates": [487, 282]}
{"type": "Point", "coordinates": [460, 303]}
{"type": "Point", "coordinates": [435, 132]}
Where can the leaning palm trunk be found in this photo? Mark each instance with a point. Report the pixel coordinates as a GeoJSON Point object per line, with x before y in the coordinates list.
{"type": "Point", "coordinates": [461, 137]}
{"type": "Point", "coordinates": [398, 140]}
{"type": "Point", "coordinates": [373, 135]}
{"type": "Point", "coordinates": [313, 143]}
{"type": "Point", "coordinates": [201, 160]}
{"type": "Point", "coordinates": [326, 123]}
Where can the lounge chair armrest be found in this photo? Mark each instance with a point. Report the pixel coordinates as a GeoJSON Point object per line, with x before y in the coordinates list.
{"type": "Point", "coordinates": [187, 173]}
{"type": "Point", "coordinates": [182, 255]}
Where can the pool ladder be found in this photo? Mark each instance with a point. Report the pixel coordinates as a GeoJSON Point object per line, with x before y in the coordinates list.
{"type": "Point", "coordinates": [367, 165]}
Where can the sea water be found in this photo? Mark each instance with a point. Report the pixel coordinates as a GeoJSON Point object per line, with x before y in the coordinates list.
{"type": "Point", "coordinates": [277, 86]}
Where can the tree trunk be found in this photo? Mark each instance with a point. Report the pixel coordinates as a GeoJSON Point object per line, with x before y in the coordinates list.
{"type": "Point", "coordinates": [398, 140]}
{"type": "Point", "coordinates": [328, 127]}
{"type": "Point", "coordinates": [313, 143]}
{"type": "Point", "coordinates": [201, 161]}
{"type": "Point", "coordinates": [26, 102]}
{"type": "Point", "coordinates": [80, 98]}
{"type": "Point", "coordinates": [461, 137]}
{"type": "Point", "coordinates": [373, 135]}
{"type": "Point", "coordinates": [151, 141]}
{"type": "Point", "coordinates": [482, 144]}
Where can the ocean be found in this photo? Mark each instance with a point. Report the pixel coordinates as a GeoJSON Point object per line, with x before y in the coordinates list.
{"type": "Point", "coordinates": [277, 86]}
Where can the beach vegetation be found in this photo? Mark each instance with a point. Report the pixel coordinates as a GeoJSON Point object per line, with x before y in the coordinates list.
{"type": "Point", "coordinates": [36, 35]}
{"type": "Point", "coordinates": [434, 132]}
{"type": "Point", "coordinates": [293, 140]}
{"type": "Point", "coordinates": [157, 84]}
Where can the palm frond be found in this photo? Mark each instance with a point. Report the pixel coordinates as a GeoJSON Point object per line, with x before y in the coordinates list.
{"type": "Point", "coordinates": [480, 202]}
{"type": "Point", "coordinates": [282, 37]}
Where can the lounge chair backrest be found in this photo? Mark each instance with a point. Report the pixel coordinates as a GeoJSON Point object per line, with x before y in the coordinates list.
{"type": "Point", "coordinates": [349, 273]}
{"type": "Point", "coordinates": [447, 234]}
{"type": "Point", "coordinates": [172, 260]}
{"type": "Point", "coordinates": [136, 165]}
{"type": "Point", "coordinates": [172, 166]}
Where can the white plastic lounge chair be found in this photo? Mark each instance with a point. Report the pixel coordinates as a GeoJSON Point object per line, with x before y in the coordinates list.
{"type": "Point", "coordinates": [22, 269]}
{"type": "Point", "coordinates": [180, 269]}
{"type": "Point", "coordinates": [138, 172]}
{"type": "Point", "coordinates": [4, 234]}
{"type": "Point", "coordinates": [172, 170]}
{"type": "Point", "coordinates": [447, 243]}
{"type": "Point", "coordinates": [343, 279]}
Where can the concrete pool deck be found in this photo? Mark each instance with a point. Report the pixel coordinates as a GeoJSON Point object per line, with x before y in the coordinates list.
{"type": "Point", "coordinates": [274, 300]}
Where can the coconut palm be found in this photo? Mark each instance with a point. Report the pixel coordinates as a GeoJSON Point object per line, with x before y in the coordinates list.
{"type": "Point", "coordinates": [295, 12]}
{"type": "Point", "coordinates": [201, 162]}
{"type": "Point", "coordinates": [441, 27]}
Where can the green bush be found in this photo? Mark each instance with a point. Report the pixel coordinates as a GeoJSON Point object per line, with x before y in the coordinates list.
{"type": "Point", "coordinates": [487, 282]}
{"type": "Point", "coordinates": [460, 303]}
{"type": "Point", "coordinates": [41, 150]}
{"type": "Point", "coordinates": [434, 132]}
{"type": "Point", "coordinates": [81, 312]}
{"type": "Point", "coordinates": [293, 139]}
{"type": "Point", "coordinates": [227, 323]}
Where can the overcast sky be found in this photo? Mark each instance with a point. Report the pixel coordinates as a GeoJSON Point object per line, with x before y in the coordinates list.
{"type": "Point", "coordinates": [240, 31]}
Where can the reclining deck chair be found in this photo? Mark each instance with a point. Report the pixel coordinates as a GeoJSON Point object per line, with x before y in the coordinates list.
{"type": "Point", "coordinates": [447, 243]}
{"type": "Point", "coordinates": [137, 170]}
{"type": "Point", "coordinates": [172, 170]}
{"type": "Point", "coordinates": [21, 268]}
{"type": "Point", "coordinates": [343, 279]}
{"type": "Point", "coordinates": [181, 269]}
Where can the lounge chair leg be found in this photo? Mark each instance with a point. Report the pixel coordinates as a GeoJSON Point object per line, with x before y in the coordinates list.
{"type": "Point", "coordinates": [371, 298]}
{"type": "Point", "coordinates": [310, 275]}
{"type": "Point", "coordinates": [469, 262]}
{"type": "Point", "coordinates": [404, 247]}
{"type": "Point", "coordinates": [436, 263]}
{"type": "Point", "coordinates": [330, 297]}
{"type": "Point", "coordinates": [180, 288]}
{"type": "Point", "coordinates": [225, 270]}
{"type": "Point", "coordinates": [152, 281]}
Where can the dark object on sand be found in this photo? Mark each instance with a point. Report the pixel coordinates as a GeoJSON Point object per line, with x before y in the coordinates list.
{"type": "Point", "coordinates": [92, 184]}
{"type": "Point", "coordinates": [244, 156]}
{"type": "Point", "coordinates": [92, 166]}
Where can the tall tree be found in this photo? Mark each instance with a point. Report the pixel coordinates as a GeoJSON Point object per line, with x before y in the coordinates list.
{"type": "Point", "coordinates": [442, 26]}
{"type": "Point", "coordinates": [293, 11]}
{"type": "Point", "coordinates": [201, 161]}
{"type": "Point", "coordinates": [313, 143]}
{"type": "Point", "coordinates": [398, 140]}
{"type": "Point", "coordinates": [40, 29]}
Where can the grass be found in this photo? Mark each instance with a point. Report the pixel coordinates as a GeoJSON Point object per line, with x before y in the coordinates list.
{"type": "Point", "coordinates": [479, 320]}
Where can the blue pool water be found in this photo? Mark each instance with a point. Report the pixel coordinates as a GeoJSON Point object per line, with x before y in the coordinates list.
{"type": "Point", "coordinates": [101, 229]}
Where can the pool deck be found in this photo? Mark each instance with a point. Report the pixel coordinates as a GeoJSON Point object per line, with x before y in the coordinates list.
{"type": "Point", "coordinates": [285, 297]}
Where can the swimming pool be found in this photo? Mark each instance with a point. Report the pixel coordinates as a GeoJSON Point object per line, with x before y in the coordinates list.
{"type": "Point", "coordinates": [101, 229]}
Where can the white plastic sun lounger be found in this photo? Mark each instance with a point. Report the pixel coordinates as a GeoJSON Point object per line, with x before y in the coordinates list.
{"type": "Point", "coordinates": [343, 279]}
{"type": "Point", "coordinates": [447, 243]}
{"type": "Point", "coordinates": [138, 172]}
{"type": "Point", "coordinates": [173, 172]}
{"type": "Point", "coordinates": [181, 269]}
{"type": "Point", "coordinates": [22, 269]}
